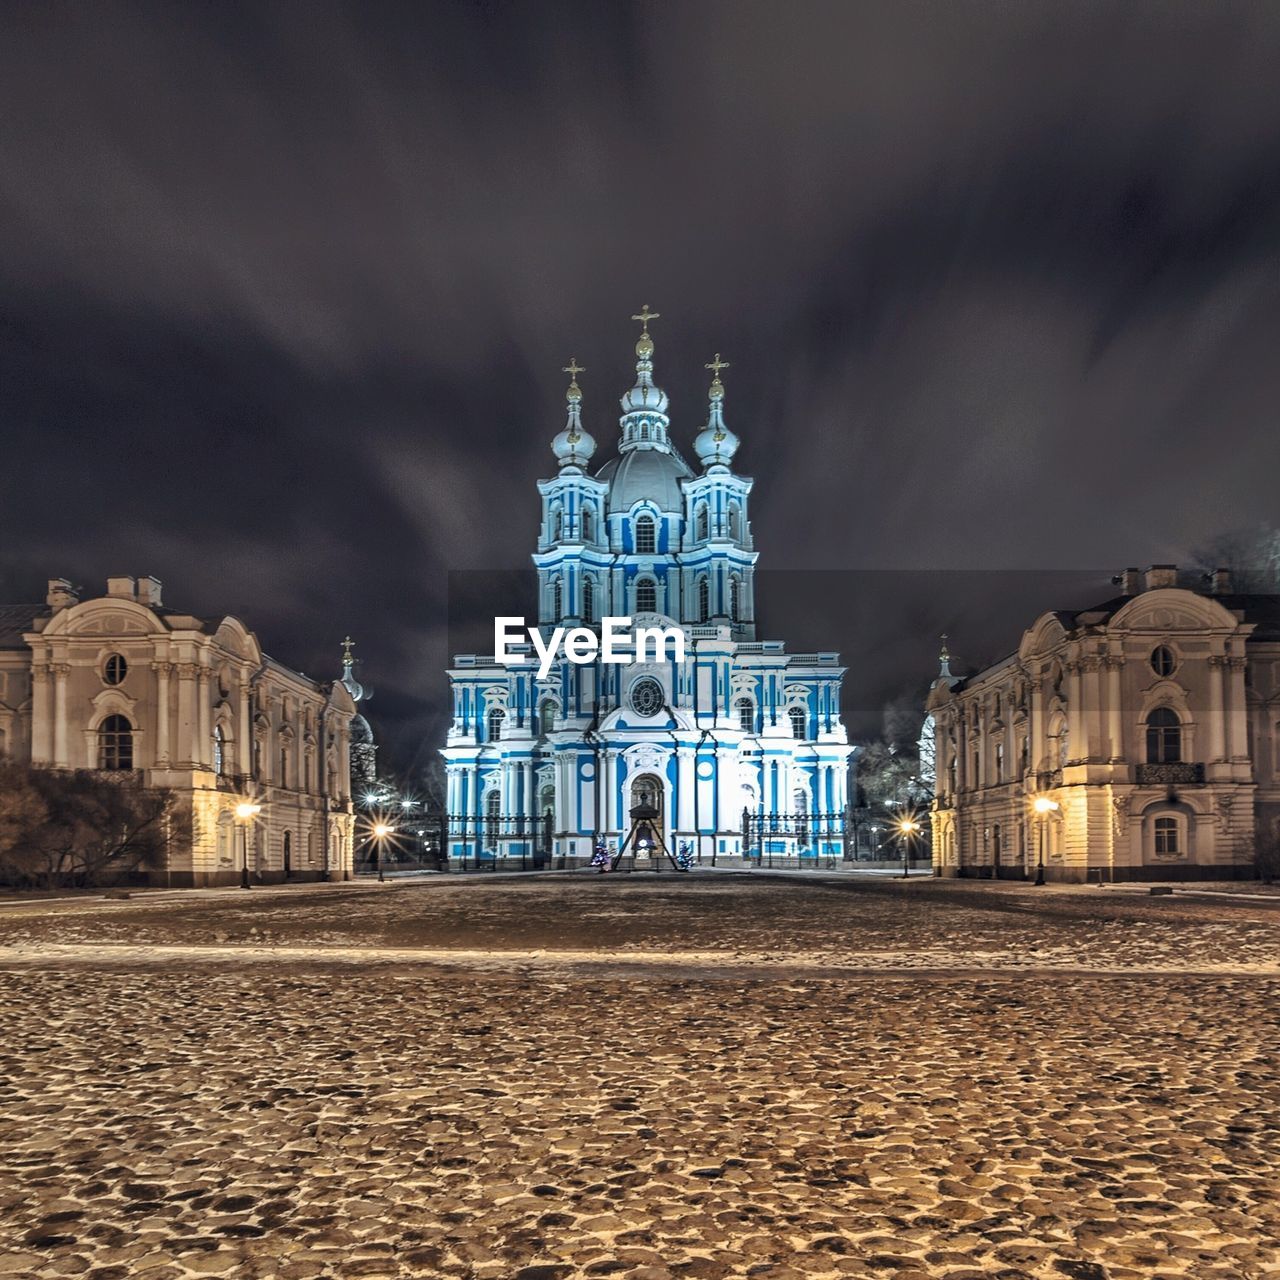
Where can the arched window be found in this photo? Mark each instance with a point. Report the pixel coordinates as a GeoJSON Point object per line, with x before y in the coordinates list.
{"type": "Point", "coordinates": [496, 717]}
{"type": "Point", "coordinates": [588, 600]}
{"type": "Point", "coordinates": [1166, 838]}
{"type": "Point", "coordinates": [701, 523]}
{"type": "Point", "coordinates": [1163, 662]}
{"type": "Point", "coordinates": [588, 524]}
{"type": "Point", "coordinates": [735, 593]}
{"type": "Point", "coordinates": [733, 520]}
{"type": "Point", "coordinates": [746, 715]}
{"type": "Point", "coordinates": [492, 818]}
{"type": "Point", "coordinates": [799, 721]}
{"type": "Point", "coordinates": [644, 431]}
{"type": "Point", "coordinates": [646, 536]}
{"type": "Point", "coordinates": [704, 599]}
{"type": "Point", "coordinates": [646, 596]}
{"type": "Point", "coordinates": [218, 745]}
{"type": "Point", "coordinates": [115, 669]}
{"type": "Point", "coordinates": [547, 716]}
{"type": "Point", "coordinates": [999, 761]}
{"type": "Point", "coordinates": [557, 526]}
{"type": "Point", "coordinates": [284, 765]}
{"type": "Point", "coordinates": [557, 600]}
{"type": "Point", "coordinates": [1164, 737]}
{"type": "Point", "coordinates": [115, 743]}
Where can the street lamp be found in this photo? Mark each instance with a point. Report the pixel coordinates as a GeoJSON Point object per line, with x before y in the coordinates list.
{"type": "Point", "coordinates": [1044, 807]}
{"type": "Point", "coordinates": [381, 831]}
{"type": "Point", "coordinates": [246, 812]}
{"type": "Point", "coordinates": [907, 827]}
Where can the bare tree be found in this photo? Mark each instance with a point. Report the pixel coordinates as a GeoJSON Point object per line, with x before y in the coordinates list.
{"type": "Point", "coordinates": [1251, 554]}
{"type": "Point", "coordinates": [62, 829]}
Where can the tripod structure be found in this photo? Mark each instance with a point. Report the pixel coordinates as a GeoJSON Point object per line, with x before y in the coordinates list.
{"type": "Point", "coordinates": [644, 834]}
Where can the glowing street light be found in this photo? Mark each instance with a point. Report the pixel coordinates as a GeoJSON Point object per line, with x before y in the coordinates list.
{"type": "Point", "coordinates": [380, 833]}
{"type": "Point", "coordinates": [1043, 807]}
{"type": "Point", "coordinates": [246, 812]}
{"type": "Point", "coordinates": [907, 827]}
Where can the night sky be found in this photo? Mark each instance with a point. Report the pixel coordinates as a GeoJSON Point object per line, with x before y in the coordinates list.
{"type": "Point", "coordinates": [286, 291]}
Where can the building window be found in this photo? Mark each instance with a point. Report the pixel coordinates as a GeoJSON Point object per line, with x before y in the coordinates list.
{"type": "Point", "coordinates": [218, 745]}
{"type": "Point", "coordinates": [557, 600]}
{"type": "Point", "coordinates": [746, 715]}
{"type": "Point", "coordinates": [492, 819]}
{"type": "Point", "coordinates": [284, 765]}
{"type": "Point", "coordinates": [799, 721]}
{"type": "Point", "coordinates": [646, 596]}
{"type": "Point", "coordinates": [1164, 737]}
{"type": "Point", "coordinates": [735, 603]}
{"type": "Point", "coordinates": [1163, 663]}
{"type": "Point", "coordinates": [115, 669]}
{"type": "Point", "coordinates": [647, 697]}
{"type": "Point", "coordinates": [733, 520]}
{"type": "Point", "coordinates": [646, 536]}
{"type": "Point", "coordinates": [1166, 834]}
{"type": "Point", "coordinates": [115, 743]}
{"type": "Point", "coordinates": [704, 600]}
{"type": "Point", "coordinates": [588, 524]}
{"type": "Point", "coordinates": [557, 526]}
{"type": "Point", "coordinates": [496, 717]}
{"type": "Point", "coordinates": [588, 600]}
{"type": "Point", "coordinates": [547, 716]}
{"type": "Point", "coordinates": [999, 761]}
{"type": "Point", "coordinates": [703, 523]}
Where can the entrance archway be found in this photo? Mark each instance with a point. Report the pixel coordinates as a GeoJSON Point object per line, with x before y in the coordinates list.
{"type": "Point", "coordinates": [646, 790]}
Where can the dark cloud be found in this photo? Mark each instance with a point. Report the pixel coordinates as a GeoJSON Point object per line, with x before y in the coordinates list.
{"type": "Point", "coordinates": [287, 289]}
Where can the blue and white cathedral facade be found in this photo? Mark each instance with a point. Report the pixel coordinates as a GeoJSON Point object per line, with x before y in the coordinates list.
{"type": "Point", "coordinates": [739, 726]}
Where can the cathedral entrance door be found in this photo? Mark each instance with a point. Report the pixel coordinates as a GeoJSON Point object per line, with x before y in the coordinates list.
{"type": "Point", "coordinates": [647, 790]}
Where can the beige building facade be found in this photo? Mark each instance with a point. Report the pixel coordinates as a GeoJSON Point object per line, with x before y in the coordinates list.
{"type": "Point", "coordinates": [122, 684]}
{"type": "Point", "coordinates": [1146, 728]}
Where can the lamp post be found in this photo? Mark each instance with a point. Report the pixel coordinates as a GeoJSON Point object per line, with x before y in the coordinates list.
{"type": "Point", "coordinates": [1044, 807]}
{"type": "Point", "coordinates": [906, 828]}
{"type": "Point", "coordinates": [246, 812]}
{"type": "Point", "coordinates": [381, 830]}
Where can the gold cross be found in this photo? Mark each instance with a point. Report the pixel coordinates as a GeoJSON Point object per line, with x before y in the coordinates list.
{"type": "Point", "coordinates": [717, 364]}
{"type": "Point", "coordinates": [347, 642]}
{"type": "Point", "coordinates": [645, 316]}
{"type": "Point", "coordinates": [573, 368]}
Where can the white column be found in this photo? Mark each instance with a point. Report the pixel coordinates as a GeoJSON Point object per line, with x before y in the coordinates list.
{"type": "Point", "coordinates": [60, 672]}
{"type": "Point", "coordinates": [244, 736]}
{"type": "Point", "coordinates": [163, 712]}
{"type": "Point", "coordinates": [204, 727]}
{"type": "Point", "coordinates": [1036, 751]}
{"type": "Point", "coordinates": [186, 711]}
{"type": "Point", "coordinates": [1115, 730]}
{"type": "Point", "coordinates": [41, 714]}
{"type": "Point", "coordinates": [1239, 708]}
{"type": "Point", "coordinates": [1217, 745]}
{"type": "Point", "coordinates": [686, 780]}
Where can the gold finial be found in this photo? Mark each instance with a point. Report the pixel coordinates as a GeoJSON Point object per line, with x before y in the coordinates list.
{"type": "Point", "coordinates": [644, 316]}
{"type": "Point", "coordinates": [946, 653]}
{"type": "Point", "coordinates": [573, 368]}
{"type": "Point", "coordinates": [717, 364]}
{"type": "Point", "coordinates": [347, 659]}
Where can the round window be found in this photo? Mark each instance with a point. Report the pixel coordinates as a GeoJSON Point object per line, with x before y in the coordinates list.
{"type": "Point", "coordinates": [115, 669]}
{"type": "Point", "coordinates": [1163, 662]}
{"type": "Point", "coordinates": [647, 698]}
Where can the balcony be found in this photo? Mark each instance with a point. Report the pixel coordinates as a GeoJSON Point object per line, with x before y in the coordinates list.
{"type": "Point", "coordinates": [1160, 775]}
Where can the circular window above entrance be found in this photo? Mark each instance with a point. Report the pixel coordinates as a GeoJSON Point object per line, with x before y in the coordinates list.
{"type": "Point", "coordinates": [647, 697]}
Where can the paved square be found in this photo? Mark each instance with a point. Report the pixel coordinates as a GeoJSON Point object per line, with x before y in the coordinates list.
{"type": "Point", "coordinates": [713, 1075]}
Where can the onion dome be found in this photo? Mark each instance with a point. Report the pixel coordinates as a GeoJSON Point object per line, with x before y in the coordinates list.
{"type": "Point", "coordinates": [715, 444]}
{"type": "Point", "coordinates": [644, 407]}
{"type": "Point", "coordinates": [354, 687]}
{"type": "Point", "coordinates": [573, 447]}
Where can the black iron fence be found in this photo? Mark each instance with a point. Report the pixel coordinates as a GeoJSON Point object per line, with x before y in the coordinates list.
{"type": "Point", "coordinates": [454, 842]}
{"type": "Point", "coordinates": [795, 839]}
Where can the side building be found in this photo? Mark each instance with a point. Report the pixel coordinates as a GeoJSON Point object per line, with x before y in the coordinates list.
{"type": "Point", "coordinates": [124, 685]}
{"type": "Point", "coordinates": [1136, 740]}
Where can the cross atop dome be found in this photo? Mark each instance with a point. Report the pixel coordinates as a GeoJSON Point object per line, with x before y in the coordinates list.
{"type": "Point", "coordinates": [573, 447]}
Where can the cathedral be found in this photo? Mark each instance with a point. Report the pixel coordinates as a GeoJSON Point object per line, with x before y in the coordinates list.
{"type": "Point", "coordinates": [738, 746]}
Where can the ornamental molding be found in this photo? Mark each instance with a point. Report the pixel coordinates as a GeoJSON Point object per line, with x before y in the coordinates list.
{"type": "Point", "coordinates": [646, 757]}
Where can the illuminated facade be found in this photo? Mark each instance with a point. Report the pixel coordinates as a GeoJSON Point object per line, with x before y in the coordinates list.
{"type": "Point", "coordinates": [740, 725]}
{"type": "Point", "coordinates": [1148, 728]}
{"type": "Point", "coordinates": [124, 685]}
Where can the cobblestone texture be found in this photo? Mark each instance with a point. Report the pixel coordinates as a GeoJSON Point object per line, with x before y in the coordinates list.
{"type": "Point", "coordinates": [246, 1110]}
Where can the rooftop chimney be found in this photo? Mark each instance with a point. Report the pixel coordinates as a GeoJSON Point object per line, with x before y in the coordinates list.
{"type": "Point", "coordinates": [1162, 575]}
{"type": "Point", "coordinates": [1221, 582]}
{"type": "Point", "coordinates": [149, 592]}
{"type": "Point", "coordinates": [123, 588]}
{"type": "Point", "coordinates": [61, 594]}
{"type": "Point", "coordinates": [1131, 581]}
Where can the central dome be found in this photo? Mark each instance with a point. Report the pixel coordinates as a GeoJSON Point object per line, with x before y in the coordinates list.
{"type": "Point", "coordinates": [641, 475]}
